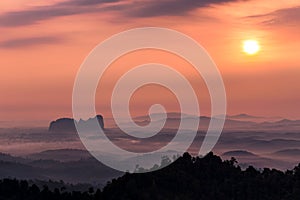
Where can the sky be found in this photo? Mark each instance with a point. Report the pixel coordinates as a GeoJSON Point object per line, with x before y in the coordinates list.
{"type": "Point", "coordinates": [43, 44]}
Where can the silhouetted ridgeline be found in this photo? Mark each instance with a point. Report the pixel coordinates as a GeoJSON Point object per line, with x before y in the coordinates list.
{"type": "Point", "coordinates": [68, 124]}
{"type": "Point", "coordinates": [187, 178]}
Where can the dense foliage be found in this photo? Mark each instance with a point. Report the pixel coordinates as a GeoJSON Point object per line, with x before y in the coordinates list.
{"type": "Point", "coordinates": [187, 178]}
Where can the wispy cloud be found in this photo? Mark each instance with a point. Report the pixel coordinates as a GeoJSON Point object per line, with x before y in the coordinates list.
{"type": "Point", "coordinates": [172, 7]}
{"type": "Point", "coordinates": [140, 8]}
{"type": "Point", "coordinates": [31, 41]}
{"type": "Point", "coordinates": [286, 16]}
{"type": "Point", "coordinates": [39, 13]}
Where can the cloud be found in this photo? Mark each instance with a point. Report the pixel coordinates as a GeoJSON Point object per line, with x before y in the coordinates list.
{"type": "Point", "coordinates": [31, 41]}
{"type": "Point", "coordinates": [32, 16]}
{"type": "Point", "coordinates": [39, 13]}
{"type": "Point", "coordinates": [139, 8]}
{"type": "Point", "coordinates": [286, 16]}
{"type": "Point", "coordinates": [173, 7]}
{"type": "Point", "coordinates": [86, 2]}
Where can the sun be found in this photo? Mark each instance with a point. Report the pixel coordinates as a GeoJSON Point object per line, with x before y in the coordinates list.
{"type": "Point", "coordinates": [251, 47]}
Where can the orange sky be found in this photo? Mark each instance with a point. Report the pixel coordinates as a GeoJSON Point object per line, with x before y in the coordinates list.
{"type": "Point", "coordinates": [43, 44]}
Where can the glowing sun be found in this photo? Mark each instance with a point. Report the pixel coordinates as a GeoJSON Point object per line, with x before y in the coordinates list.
{"type": "Point", "coordinates": [251, 47]}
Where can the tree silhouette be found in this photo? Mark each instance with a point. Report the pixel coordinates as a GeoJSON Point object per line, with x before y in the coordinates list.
{"type": "Point", "coordinates": [188, 177]}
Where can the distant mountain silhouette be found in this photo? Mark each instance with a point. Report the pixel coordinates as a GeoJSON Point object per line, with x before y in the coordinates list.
{"type": "Point", "coordinates": [53, 165]}
{"type": "Point", "coordinates": [68, 124]}
{"type": "Point", "coordinates": [159, 116]}
{"type": "Point", "coordinates": [62, 155]}
{"type": "Point", "coordinates": [288, 152]}
{"type": "Point", "coordinates": [174, 119]}
{"type": "Point", "coordinates": [243, 115]}
{"type": "Point", "coordinates": [288, 122]}
{"type": "Point", "coordinates": [8, 158]}
{"type": "Point", "coordinates": [238, 153]}
{"type": "Point", "coordinates": [232, 122]}
{"type": "Point", "coordinates": [247, 158]}
{"type": "Point", "coordinates": [62, 124]}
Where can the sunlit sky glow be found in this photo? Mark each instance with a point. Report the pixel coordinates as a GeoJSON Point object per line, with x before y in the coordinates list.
{"type": "Point", "coordinates": [43, 44]}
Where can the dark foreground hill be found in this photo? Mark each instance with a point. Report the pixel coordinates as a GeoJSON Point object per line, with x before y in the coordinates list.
{"type": "Point", "coordinates": [187, 178]}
